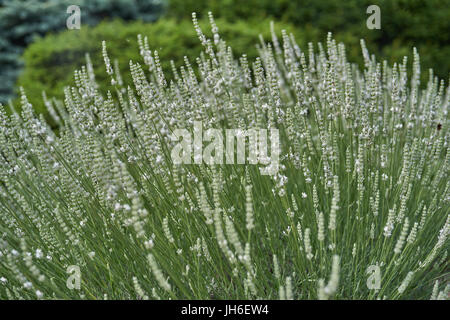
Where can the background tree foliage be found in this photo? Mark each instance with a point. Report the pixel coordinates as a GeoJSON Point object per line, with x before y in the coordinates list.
{"type": "Point", "coordinates": [404, 23]}
{"type": "Point", "coordinates": [21, 22]}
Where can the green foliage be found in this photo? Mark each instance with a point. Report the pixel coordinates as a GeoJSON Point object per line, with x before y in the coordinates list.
{"type": "Point", "coordinates": [404, 23]}
{"type": "Point", "coordinates": [22, 21]}
{"type": "Point", "coordinates": [51, 61]}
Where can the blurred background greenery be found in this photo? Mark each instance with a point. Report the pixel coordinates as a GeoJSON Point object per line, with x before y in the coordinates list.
{"type": "Point", "coordinates": [40, 54]}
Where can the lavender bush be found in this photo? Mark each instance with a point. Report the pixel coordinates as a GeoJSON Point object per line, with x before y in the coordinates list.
{"type": "Point", "coordinates": [359, 208]}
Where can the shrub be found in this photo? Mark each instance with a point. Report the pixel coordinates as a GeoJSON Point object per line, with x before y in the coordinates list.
{"type": "Point", "coordinates": [21, 22]}
{"type": "Point", "coordinates": [50, 62]}
{"type": "Point", "coordinates": [362, 182]}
